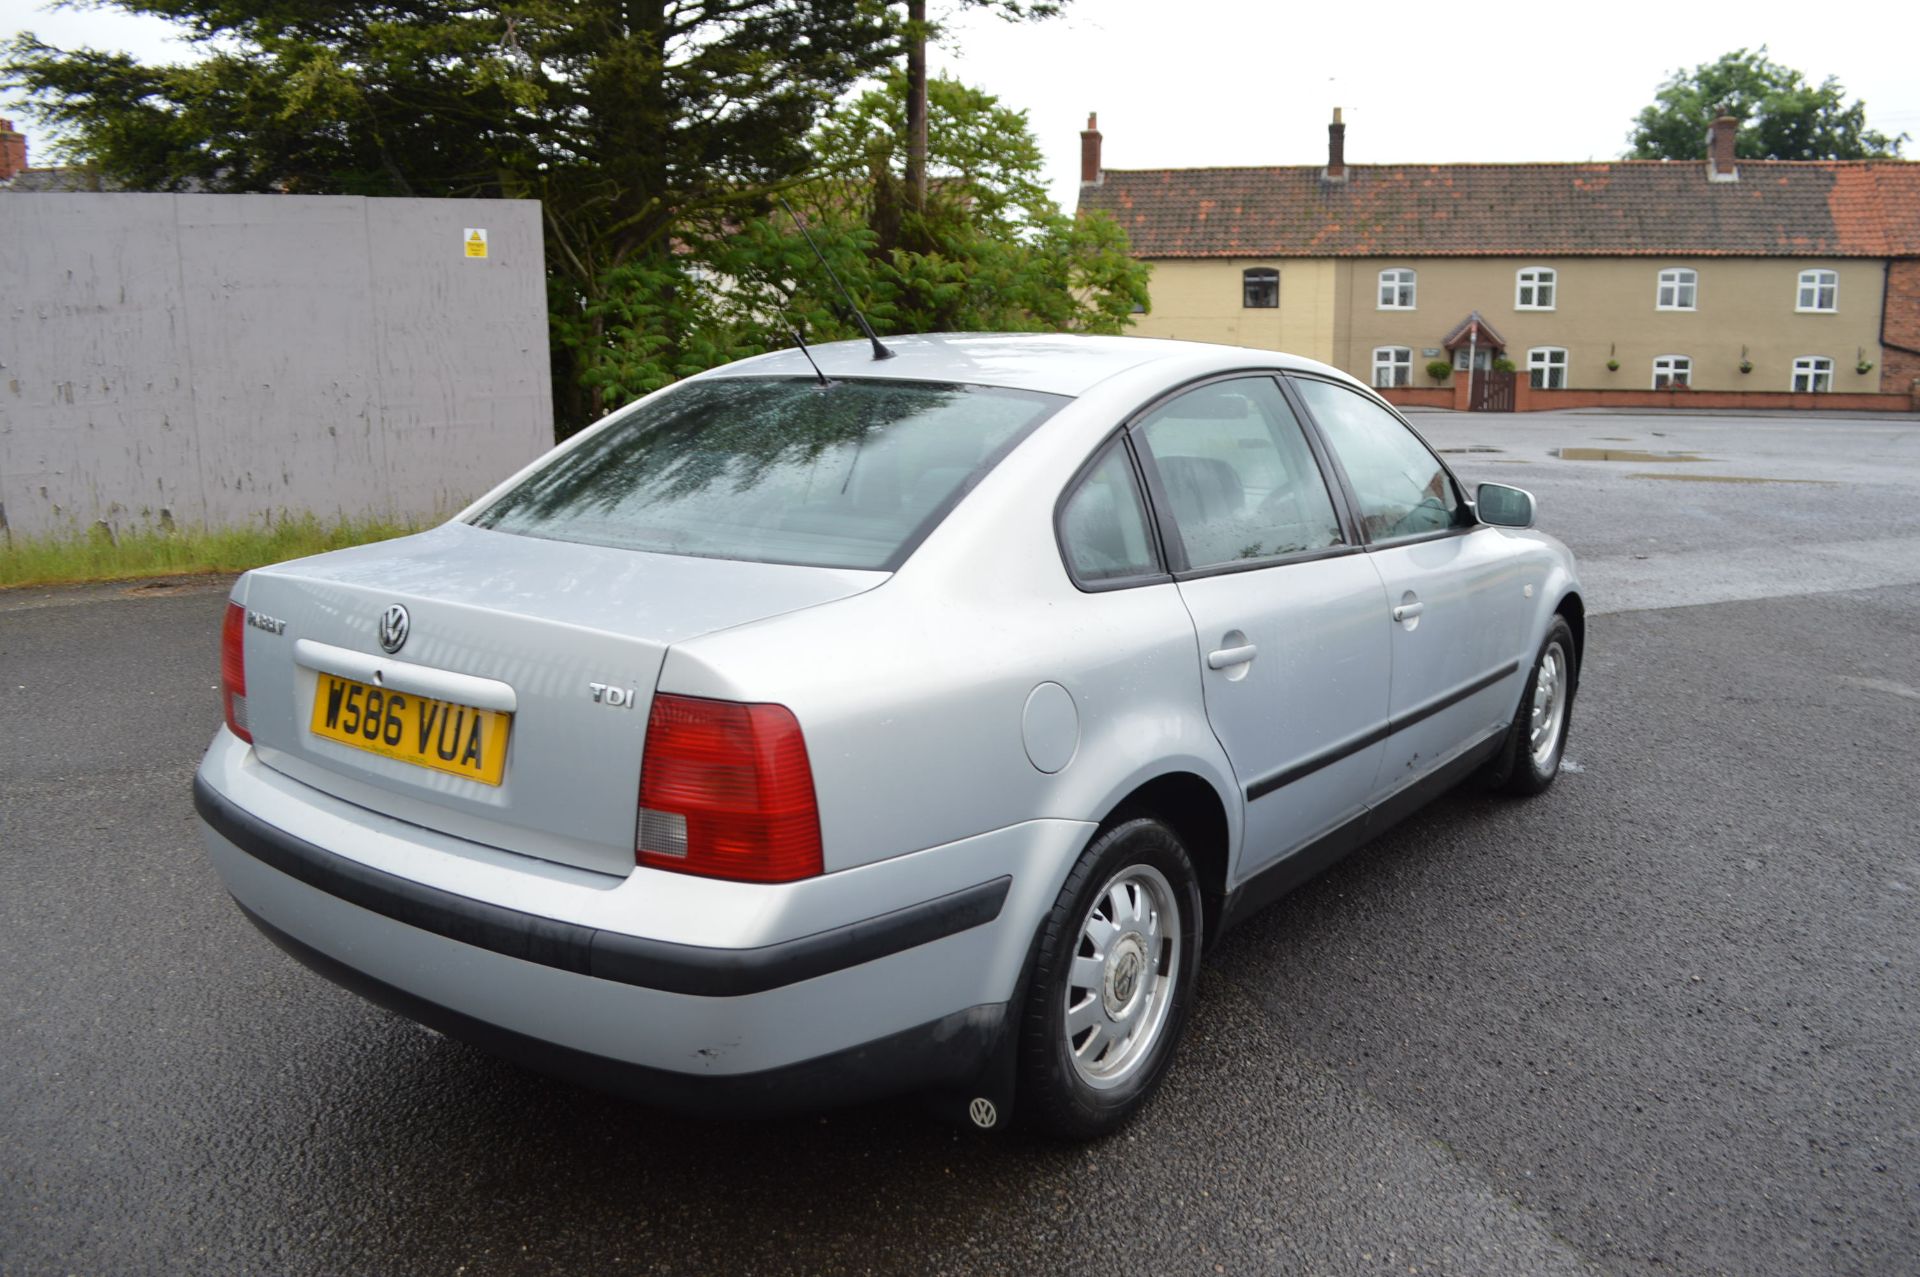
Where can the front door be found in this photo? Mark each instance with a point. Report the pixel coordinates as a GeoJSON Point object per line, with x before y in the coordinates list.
{"type": "Point", "coordinates": [1293, 644]}
{"type": "Point", "coordinates": [1454, 588]}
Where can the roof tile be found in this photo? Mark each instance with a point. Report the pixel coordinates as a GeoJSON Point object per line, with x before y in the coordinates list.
{"type": "Point", "coordinates": [1867, 208]}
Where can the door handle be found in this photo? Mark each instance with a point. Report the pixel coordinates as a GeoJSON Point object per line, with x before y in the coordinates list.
{"type": "Point", "coordinates": [1229, 656]}
{"type": "Point", "coordinates": [1407, 611]}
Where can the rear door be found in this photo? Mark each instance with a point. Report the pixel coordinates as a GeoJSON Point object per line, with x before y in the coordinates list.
{"type": "Point", "coordinates": [1292, 646]}
{"type": "Point", "coordinates": [1458, 597]}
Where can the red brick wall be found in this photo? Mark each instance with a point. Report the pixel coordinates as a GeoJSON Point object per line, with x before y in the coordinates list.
{"type": "Point", "coordinates": [1527, 399]}
{"type": "Point", "coordinates": [1849, 401]}
{"type": "Point", "coordinates": [13, 150]}
{"type": "Point", "coordinates": [1900, 368]}
{"type": "Point", "coordinates": [1420, 396]}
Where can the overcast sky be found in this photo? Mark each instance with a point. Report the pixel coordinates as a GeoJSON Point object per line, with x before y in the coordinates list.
{"type": "Point", "coordinates": [1202, 82]}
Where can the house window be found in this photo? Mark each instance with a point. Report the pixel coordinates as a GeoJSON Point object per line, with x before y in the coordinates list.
{"type": "Point", "coordinates": [1672, 372]}
{"type": "Point", "coordinates": [1534, 288]}
{"type": "Point", "coordinates": [1813, 374]}
{"type": "Point", "coordinates": [1392, 366]}
{"type": "Point", "coordinates": [1679, 290]}
{"type": "Point", "coordinates": [1260, 288]}
{"type": "Point", "coordinates": [1547, 367]}
{"type": "Point", "coordinates": [1819, 290]}
{"type": "Point", "coordinates": [1396, 289]}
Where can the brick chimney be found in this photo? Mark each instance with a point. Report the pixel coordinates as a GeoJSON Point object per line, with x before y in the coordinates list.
{"type": "Point", "coordinates": [1336, 149]}
{"type": "Point", "coordinates": [1720, 162]}
{"type": "Point", "coordinates": [1090, 151]}
{"type": "Point", "coordinates": [13, 151]}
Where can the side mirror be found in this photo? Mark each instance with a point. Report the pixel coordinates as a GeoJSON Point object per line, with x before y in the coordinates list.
{"type": "Point", "coordinates": [1504, 507]}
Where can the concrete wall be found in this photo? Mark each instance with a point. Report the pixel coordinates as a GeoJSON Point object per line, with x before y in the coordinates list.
{"type": "Point", "coordinates": [232, 358]}
{"type": "Point", "coordinates": [1200, 301]}
{"type": "Point", "coordinates": [1606, 305]}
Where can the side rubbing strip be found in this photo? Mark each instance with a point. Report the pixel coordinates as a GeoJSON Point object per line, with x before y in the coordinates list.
{"type": "Point", "coordinates": [1447, 700]}
{"type": "Point", "coordinates": [1265, 785]}
{"type": "Point", "coordinates": [1326, 758]}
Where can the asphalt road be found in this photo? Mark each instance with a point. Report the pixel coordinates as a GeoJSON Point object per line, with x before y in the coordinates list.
{"type": "Point", "coordinates": [1663, 1019]}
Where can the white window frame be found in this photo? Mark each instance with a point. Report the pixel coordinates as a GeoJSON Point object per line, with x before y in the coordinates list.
{"type": "Point", "coordinates": [1528, 283]}
{"type": "Point", "coordinates": [1395, 361]}
{"type": "Point", "coordinates": [1397, 282]}
{"type": "Point", "coordinates": [1818, 371]}
{"type": "Point", "coordinates": [1678, 370]}
{"type": "Point", "coordinates": [1541, 359]}
{"type": "Point", "coordinates": [1682, 284]}
{"type": "Point", "coordinates": [1816, 283]}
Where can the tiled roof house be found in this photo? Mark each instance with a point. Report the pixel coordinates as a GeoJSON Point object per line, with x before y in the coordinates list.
{"type": "Point", "coordinates": [1611, 275]}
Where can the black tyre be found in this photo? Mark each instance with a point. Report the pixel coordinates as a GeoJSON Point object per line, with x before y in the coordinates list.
{"type": "Point", "coordinates": [1530, 758]}
{"type": "Point", "coordinates": [1112, 979]}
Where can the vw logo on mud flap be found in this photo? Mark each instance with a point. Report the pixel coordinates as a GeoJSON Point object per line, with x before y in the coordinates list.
{"type": "Point", "coordinates": [983, 1113]}
{"type": "Point", "coordinates": [394, 625]}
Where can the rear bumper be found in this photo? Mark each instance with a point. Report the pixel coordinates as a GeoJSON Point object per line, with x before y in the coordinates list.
{"type": "Point", "coordinates": [949, 1052]}
{"type": "Point", "coordinates": [590, 951]}
{"type": "Point", "coordinates": [884, 979]}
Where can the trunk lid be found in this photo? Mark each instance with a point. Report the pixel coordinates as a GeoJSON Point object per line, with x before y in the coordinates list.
{"type": "Point", "coordinates": [499, 621]}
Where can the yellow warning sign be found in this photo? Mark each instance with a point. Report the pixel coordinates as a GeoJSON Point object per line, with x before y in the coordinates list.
{"type": "Point", "coordinates": [476, 241]}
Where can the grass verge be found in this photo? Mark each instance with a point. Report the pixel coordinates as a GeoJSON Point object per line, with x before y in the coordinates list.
{"type": "Point", "coordinates": [99, 555]}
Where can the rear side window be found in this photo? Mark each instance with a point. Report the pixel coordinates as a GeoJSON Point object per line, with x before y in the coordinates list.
{"type": "Point", "coordinates": [851, 475]}
{"type": "Point", "coordinates": [1103, 525]}
{"type": "Point", "coordinates": [1402, 488]}
{"type": "Point", "coordinates": [1241, 484]}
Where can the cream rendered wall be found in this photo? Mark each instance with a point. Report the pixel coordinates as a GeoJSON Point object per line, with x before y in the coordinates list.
{"type": "Point", "coordinates": [1200, 301]}
{"type": "Point", "coordinates": [1607, 304]}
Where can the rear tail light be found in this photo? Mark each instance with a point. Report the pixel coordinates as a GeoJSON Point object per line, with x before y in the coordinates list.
{"type": "Point", "coordinates": [726, 791]}
{"type": "Point", "coordinates": [233, 670]}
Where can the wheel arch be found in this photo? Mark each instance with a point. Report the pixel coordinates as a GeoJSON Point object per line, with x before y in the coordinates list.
{"type": "Point", "coordinates": [1193, 807]}
{"type": "Point", "coordinates": [1574, 608]}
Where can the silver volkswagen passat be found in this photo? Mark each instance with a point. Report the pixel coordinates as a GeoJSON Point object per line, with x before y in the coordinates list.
{"type": "Point", "coordinates": [794, 737]}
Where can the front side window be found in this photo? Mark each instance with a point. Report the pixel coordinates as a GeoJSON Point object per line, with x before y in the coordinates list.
{"type": "Point", "coordinates": [1672, 371]}
{"type": "Point", "coordinates": [1547, 368]}
{"type": "Point", "coordinates": [1813, 374]}
{"type": "Point", "coordinates": [1396, 289]}
{"type": "Point", "coordinates": [1819, 290]}
{"type": "Point", "coordinates": [1393, 366]}
{"type": "Point", "coordinates": [1678, 289]}
{"type": "Point", "coordinates": [1402, 488]}
{"type": "Point", "coordinates": [1534, 288]}
{"type": "Point", "coordinates": [1103, 525]}
{"type": "Point", "coordinates": [1240, 481]}
{"type": "Point", "coordinates": [775, 470]}
{"type": "Point", "coordinates": [1260, 288]}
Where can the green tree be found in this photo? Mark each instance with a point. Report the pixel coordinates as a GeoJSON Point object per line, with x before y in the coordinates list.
{"type": "Point", "coordinates": [915, 33]}
{"type": "Point", "coordinates": [990, 252]}
{"type": "Point", "coordinates": [657, 134]}
{"type": "Point", "coordinates": [1782, 116]}
{"type": "Point", "coordinates": [626, 118]}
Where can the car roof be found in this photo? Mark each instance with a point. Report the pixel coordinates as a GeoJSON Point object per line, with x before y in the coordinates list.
{"type": "Point", "coordinates": [1055, 363]}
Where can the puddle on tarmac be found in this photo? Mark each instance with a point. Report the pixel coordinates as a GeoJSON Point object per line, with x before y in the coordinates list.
{"type": "Point", "coordinates": [1616, 438]}
{"type": "Point", "coordinates": [1724, 478]}
{"type": "Point", "coordinates": [1624, 454]}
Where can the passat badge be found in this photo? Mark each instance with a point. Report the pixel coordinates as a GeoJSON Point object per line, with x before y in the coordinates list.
{"type": "Point", "coordinates": [394, 624]}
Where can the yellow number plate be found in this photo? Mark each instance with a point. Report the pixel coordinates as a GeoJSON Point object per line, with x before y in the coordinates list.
{"type": "Point", "coordinates": [414, 729]}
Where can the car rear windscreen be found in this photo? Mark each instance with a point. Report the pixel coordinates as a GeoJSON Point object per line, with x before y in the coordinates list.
{"type": "Point", "coordinates": [849, 475]}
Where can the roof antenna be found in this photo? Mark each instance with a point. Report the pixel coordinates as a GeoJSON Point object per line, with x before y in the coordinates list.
{"type": "Point", "coordinates": [879, 351]}
{"type": "Point", "coordinates": [802, 343]}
